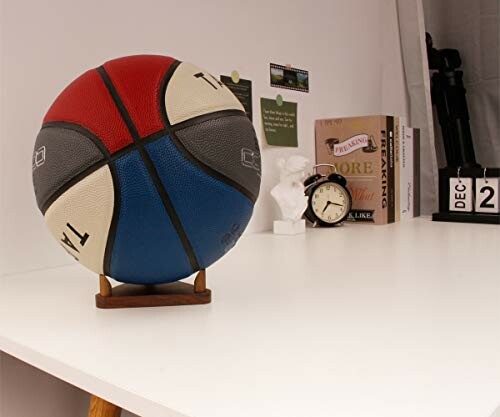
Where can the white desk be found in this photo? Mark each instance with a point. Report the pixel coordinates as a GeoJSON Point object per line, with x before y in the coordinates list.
{"type": "Point", "coordinates": [390, 321]}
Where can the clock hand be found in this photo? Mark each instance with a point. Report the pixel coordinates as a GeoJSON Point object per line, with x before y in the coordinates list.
{"type": "Point", "coordinates": [331, 202]}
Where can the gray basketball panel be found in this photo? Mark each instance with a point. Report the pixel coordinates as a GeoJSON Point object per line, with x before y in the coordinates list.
{"type": "Point", "coordinates": [229, 146]}
{"type": "Point", "coordinates": [60, 154]}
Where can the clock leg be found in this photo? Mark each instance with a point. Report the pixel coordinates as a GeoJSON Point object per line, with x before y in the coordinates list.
{"type": "Point", "coordinates": [102, 408]}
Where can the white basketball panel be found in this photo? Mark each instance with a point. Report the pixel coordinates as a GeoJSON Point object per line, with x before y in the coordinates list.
{"type": "Point", "coordinates": [81, 217]}
{"type": "Point", "coordinates": [193, 92]}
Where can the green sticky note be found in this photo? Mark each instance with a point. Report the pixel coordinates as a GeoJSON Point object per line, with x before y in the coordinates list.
{"type": "Point", "coordinates": [279, 122]}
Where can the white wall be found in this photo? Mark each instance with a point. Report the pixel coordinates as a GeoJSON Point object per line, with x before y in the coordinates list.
{"type": "Point", "coordinates": [350, 47]}
{"type": "Point", "coordinates": [416, 69]}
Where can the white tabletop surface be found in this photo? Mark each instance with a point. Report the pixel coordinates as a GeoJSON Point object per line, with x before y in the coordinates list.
{"type": "Point", "coordinates": [360, 321]}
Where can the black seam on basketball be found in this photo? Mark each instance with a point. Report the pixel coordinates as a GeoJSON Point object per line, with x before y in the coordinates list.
{"type": "Point", "coordinates": [191, 122]}
{"type": "Point", "coordinates": [205, 168]}
{"type": "Point", "coordinates": [171, 132]}
{"type": "Point", "coordinates": [209, 170]}
{"type": "Point", "coordinates": [123, 151]}
{"type": "Point", "coordinates": [176, 221]}
{"type": "Point", "coordinates": [68, 184]}
{"type": "Point", "coordinates": [155, 136]}
{"type": "Point", "coordinates": [206, 118]}
{"type": "Point", "coordinates": [146, 140]}
{"type": "Point", "coordinates": [83, 131]}
{"type": "Point", "coordinates": [110, 242]}
{"type": "Point", "coordinates": [119, 103]}
{"type": "Point", "coordinates": [163, 90]}
{"type": "Point", "coordinates": [153, 174]}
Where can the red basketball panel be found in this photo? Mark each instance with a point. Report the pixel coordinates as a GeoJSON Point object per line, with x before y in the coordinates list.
{"type": "Point", "coordinates": [137, 80]}
{"type": "Point", "coordinates": [87, 102]}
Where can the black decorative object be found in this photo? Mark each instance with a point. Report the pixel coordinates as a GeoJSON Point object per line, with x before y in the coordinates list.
{"type": "Point", "coordinates": [448, 96]}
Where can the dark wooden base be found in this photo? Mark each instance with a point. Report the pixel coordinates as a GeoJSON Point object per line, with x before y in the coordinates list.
{"type": "Point", "coordinates": [466, 217]}
{"type": "Point", "coordinates": [171, 294]}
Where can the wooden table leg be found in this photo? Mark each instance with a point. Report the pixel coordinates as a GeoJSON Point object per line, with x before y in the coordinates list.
{"type": "Point", "coordinates": [101, 408]}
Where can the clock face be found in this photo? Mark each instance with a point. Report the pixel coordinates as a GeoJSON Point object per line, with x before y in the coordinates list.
{"type": "Point", "coordinates": [330, 202]}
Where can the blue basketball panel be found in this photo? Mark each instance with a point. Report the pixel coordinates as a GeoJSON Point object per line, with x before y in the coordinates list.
{"type": "Point", "coordinates": [147, 248]}
{"type": "Point", "coordinates": [212, 213]}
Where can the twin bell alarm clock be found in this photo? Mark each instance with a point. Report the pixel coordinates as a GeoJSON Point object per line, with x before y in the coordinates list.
{"type": "Point", "coordinates": [329, 201]}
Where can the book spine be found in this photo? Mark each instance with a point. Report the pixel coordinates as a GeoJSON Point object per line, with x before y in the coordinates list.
{"type": "Point", "coordinates": [397, 168]}
{"type": "Point", "coordinates": [391, 201]}
{"type": "Point", "coordinates": [384, 195]}
{"type": "Point", "coordinates": [406, 173]}
{"type": "Point", "coordinates": [416, 172]}
{"type": "Point", "coordinates": [403, 162]}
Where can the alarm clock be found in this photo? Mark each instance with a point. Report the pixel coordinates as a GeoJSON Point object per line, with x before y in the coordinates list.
{"type": "Point", "coordinates": [329, 201]}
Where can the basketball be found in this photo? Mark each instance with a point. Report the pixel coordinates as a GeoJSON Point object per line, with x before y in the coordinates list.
{"type": "Point", "coordinates": [146, 169]}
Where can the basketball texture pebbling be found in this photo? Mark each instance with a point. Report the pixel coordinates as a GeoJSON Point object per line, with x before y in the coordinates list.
{"type": "Point", "coordinates": [146, 169]}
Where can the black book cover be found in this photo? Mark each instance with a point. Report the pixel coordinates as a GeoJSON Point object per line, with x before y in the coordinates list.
{"type": "Point", "coordinates": [391, 196]}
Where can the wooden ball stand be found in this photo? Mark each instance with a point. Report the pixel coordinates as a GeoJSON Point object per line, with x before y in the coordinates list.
{"type": "Point", "coordinates": [157, 295]}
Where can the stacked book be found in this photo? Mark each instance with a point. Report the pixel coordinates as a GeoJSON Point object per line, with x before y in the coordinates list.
{"type": "Point", "coordinates": [379, 156]}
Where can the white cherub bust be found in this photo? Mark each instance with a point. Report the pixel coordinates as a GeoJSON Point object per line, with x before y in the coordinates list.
{"type": "Point", "coordinates": [289, 194]}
